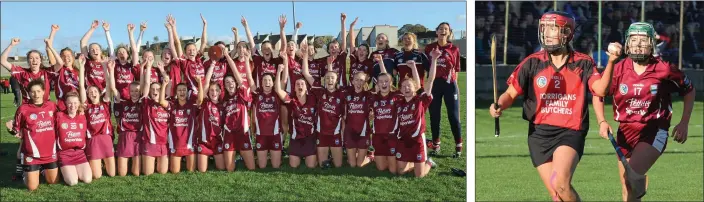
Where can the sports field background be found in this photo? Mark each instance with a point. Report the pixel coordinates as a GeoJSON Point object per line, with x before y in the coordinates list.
{"type": "Point", "coordinates": [342, 184]}
{"type": "Point", "coordinates": [504, 170]}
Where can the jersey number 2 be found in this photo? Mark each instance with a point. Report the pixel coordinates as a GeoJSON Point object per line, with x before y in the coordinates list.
{"type": "Point", "coordinates": [557, 83]}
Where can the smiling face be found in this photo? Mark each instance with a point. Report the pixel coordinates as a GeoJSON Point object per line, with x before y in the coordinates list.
{"type": "Point", "coordinates": [267, 83]}
{"type": "Point", "coordinates": [334, 48]}
{"type": "Point", "coordinates": [122, 54]}
{"type": "Point", "coordinates": [214, 92]}
{"type": "Point", "coordinates": [36, 92]}
{"type": "Point", "coordinates": [154, 90]}
{"type": "Point", "coordinates": [230, 84]}
{"type": "Point", "coordinates": [359, 80]}
{"type": "Point", "coordinates": [330, 80]}
{"type": "Point", "coordinates": [94, 51]}
{"type": "Point", "coordinates": [443, 31]}
{"type": "Point", "coordinates": [242, 48]}
{"type": "Point", "coordinates": [301, 87]}
{"type": "Point", "coordinates": [408, 88]}
{"type": "Point", "coordinates": [408, 41]}
{"type": "Point", "coordinates": [181, 92]}
{"type": "Point", "coordinates": [34, 60]}
{"type": "Point", "coordinates": [362, 52]}
{"type": "Point", "coordinates": [67, 56]}
{"type": "Point", "coordinates": [291, 48]}
{"type": "Point", "coordinates": [93, 94]}
{"type": "Point", "coordinates": [135, 92]}
{"type": "Point", "coordinates": [166, 56]}
{"type": "Point", "coordinates": [382, 41]}
{"type": "Point", "coordinates": [72, 104]}
{"type": "Point", "coordinates": [266, 49]}
{"type": "Point", "coordinates": [384, 83]}
{"type": "Point", "coordinates": [191, 51]}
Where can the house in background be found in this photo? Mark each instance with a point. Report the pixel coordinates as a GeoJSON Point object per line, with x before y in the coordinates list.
{"type": "Point", "coordinates": [362, 35]}
{"type": "Point", "coordinates": [390, 31]}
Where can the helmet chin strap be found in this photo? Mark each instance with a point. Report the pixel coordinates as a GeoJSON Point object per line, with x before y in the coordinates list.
{"type": "Point", "coordinates": [553, 48]}
{"type": "Point", "coordinates": [639, 57]}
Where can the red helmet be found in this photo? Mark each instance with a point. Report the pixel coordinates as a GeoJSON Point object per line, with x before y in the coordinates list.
{"type": "Point", "coordinates": [564, 22]}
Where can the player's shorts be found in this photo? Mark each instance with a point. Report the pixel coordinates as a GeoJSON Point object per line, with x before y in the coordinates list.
{"type": "Point", "coordinates": [356, 141]}
{"type": "Point", "coordinates": [153, 150]}
{"type": "Point", "coordinates": [329, 140]}
{"type": "Point", "coordinates": [212, 147]}
{"type": "Point", "coordinates": [37, 167]}
{"type": "Point", "coordinates": [384, 144]}
{"type": "Point", "coordinates": [269, 142]}
{"type": "Point", "coordinates": [411, 151]}
{"type": "Point", "coordinates": [542, 146]}
{"type": "Point", "coordinates": [302, 147]}
{"type": "Point", "coordinates": [100, 147]}
{"type": "Point", "coordinates": [28, 160]}
{"type": "Point", "coordinates": [72, 157]}
{"type": "Point", "coordinates": [240, 142]}
{"type": "Point", "coordinates": [128, 144]}
{"type": "Point", "coordinates": [630, 134]}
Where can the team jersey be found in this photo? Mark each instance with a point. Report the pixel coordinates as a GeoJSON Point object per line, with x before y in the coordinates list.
{"type": "Point", "coordinates": [24, 76]}
{"type": "Point", "coordinates": [385, 112]}
{"type": "Point", "coordinates": [191, 69]}
{"type": "Point", "coordinates": [182, 124]}
{"type": "Point", "coordinates": [221, 69]}
{"type": "Point", "coordinates": [449, 59]}
{"type": "Point", "coordinates": [66, 81]}
{"type": "Point", "coordinates": [556, 99]}
{"type": "Point", "coordinates": [209, 121]}
{"type": "Point", "coordinates": [242, 70]}
{"type": "Point", "coordinates": [95, 74]}
{"type": "Point", "coordinates": [266, 113]}
{"type": "Point", "coordinates": [156, 121]}
{"type": "Point", "coordinates": [404, 72]}
{"type": "Point", "coordinates": [356, 66]}
{"type": "Point", "coordinates": [175, 76]}
{"type": "Point", "coordinates": [36, 126]}
{"type": "Point", "coordinates": [128, 115]}
{"type": "Point", "coordinates": [294, 73]}
{"type": "Point", "coordinates": [262, 66]}
{"type": "Point", "coordinates": [98, 118]}
{"type": "Point", "coordinates": [71, 132]}
{"type": "Point", "coordinates": [646, 97]}
{"type": "Point", "coordinates": [315, 68]}
{"type": "Point", "coordinates": [301, 116]}
{"type": "Point", "coordinates": [339, 66]}
{"type": "Point", "coordinates": [357, 111]}
{"type": "Point", "coordinates": [411, 117]}
{"type": "Point", "coordinates": [155, 77]}
{"type": "Point", "coordinates": [236, 110]}
{"type": "Point", "coordinates": [389, 58]}
{"type": "Point", "coordinates": [330, 109]}
{"type": "Point", "coordinates": [125, 74]}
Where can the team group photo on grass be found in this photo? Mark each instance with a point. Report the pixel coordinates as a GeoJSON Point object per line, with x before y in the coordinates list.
{"type": "Point", "coordinates": [203, 108]}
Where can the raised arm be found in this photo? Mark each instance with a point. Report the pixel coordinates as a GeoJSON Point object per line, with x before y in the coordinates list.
{"type": "Point", "coordinates": [601, 86]}
{"type": "Point", "coordinates": [201, 94]}
{"type": "Point", "coordinates": [204, 37]}
{"type": "Point", "coordinates": [51, 51]}
{"type": "Point", "coordinates": [428, 86]}
{"type": "Point", "coordinates": [111, 50]}
{"type": "Point", "coordinates": [282, 25]}
{"type": "Point", "coordinates": [277, 85]}
{"type": "Point", "coordinates": [172, 47]}
{"type": "Point", "coordinates": [236, 35]}
{"type": "Point", "coordinates": [209, 75]}
{"type": "Point", "coordinates": [172, 21]}
{"type": "Point", "coordinates": [133, 46]}
{"type": "Point", "coordinates": [82, 78]}
{"type": "Point", "coordinates": [250, 39]}
{"type": "Point", "coordinates": [294, 37]}
{"type": "Point", "coordinates": [304, 66]}
{"type": "Point", "coordinates": [86, 37]}
{"type": "Point", "coordinates": [248, 70]}
{"type": "Point", "coordinates": [146, 78]}
{"type": "Point", "coordinates": [233, 67]}
{"type": "Point", "coordinates": [108, 74]}
{"type": "Point", "coordinates": [416, 78]}
{"type": "Point", "coordinates": [284, 76]}
{"type": "Point", "coordinates": [380, 60]}
{"type": "Point", "coordinates": [6, 52]}
{"type": "Point", "coordinates": [164, 84]}
{"type": "Point", "coordinates": [352, 38]}
{"type": "Point", "coordinates": [111, 79]}
{"type": "Point", "coordinates": [343, 43]}
{"type": "Point", "coordinates": [142, 27]}
{"type": "Point", "coordinates": [52, 58]}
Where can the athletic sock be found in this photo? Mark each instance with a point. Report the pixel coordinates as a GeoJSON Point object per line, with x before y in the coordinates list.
{"type": "Point", "coordinates": [18, 167]}
{"type": "Point", "coordinates": [458, 145]}
{"type": "Point", "coordinates": [436, 144]}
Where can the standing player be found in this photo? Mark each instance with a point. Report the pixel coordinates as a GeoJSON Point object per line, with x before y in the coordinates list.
{"type": "Point", "coordinates": [209, 123]}
{"type": "Point", "coordinates": [410, 52]}
{"type": "Point", "coordinates": [389, 53]}
{"type": "Point", "coordinates": [34, 124]}
{"type": "Point", "coordinates": [236, 115]}
{"type": "Point", "coordinates": [126, 71]}
{"type": "Point", "coordinates": [264, 61]}
{"type": "Point", "coordinates": [338, 51]}
{"type": "Point", "coordinates": [556, 82]}
{"type": "Point", "coordinates": [155, 111]}
{"type": "Point", "coordinates": [94, 66]}
{"type": "Point", "coordinates": [181, 129]}
{"type": "Point", "coordinates": [302, 108]}
{"type": "Point", "coordinates": [330, 109]}
{"type": "Point", "coordinates": [641, 82]}
{"type": "Point", "coordinates": [66, 77]}
{"type": "Point", "coordinates": [445, 88]}
{"type": "Point", "coordinates": [191, 63]}
{"type": "Point", "coordinates": [35, 71]}
{"type": "Point", "coordinates": [71, 142]}
{"type": "Point", "coordinates": [359, 59]}
{"type": "Point", "coordinates": [384, 126]}
{"type": "Point", "coordinates": [410, 149]}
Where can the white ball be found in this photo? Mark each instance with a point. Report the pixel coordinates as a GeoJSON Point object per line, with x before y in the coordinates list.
{"type": "Point", "coordinates": [613, 49]}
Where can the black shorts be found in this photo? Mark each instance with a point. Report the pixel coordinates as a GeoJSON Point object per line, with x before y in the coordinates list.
{"type": "Point", "coordinates": [30, 168]}
{"type": "Point", "coordinates": [542, 143]}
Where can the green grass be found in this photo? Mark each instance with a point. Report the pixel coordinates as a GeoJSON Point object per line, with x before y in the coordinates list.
{"type": "Point", "coordinates": [266, 184]}
{"type": "Point", "coordinates": [504, 170]}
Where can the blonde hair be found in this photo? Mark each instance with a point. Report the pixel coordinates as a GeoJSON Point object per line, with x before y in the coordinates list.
{"type": "Point", "coordinates": [414, 40]}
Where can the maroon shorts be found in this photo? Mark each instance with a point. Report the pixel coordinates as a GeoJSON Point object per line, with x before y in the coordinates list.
{"type": "Point", "coordinates": [411, 151]}
{"type": "Point", "coordinates": [128, 144]}
{"type": "Point", "coordinates": [209, 148]}
{"type": "Point", "coordinates": [630, 134]}
{"type": "Point", "coordinates": [72, 157]}
{"type": "Point", "coordinates": [100, 147]}
{"type": "Point", "coordinates": [153, 150]}
{"type": "Point", "coordinates": [384, 144]}
{"type": "Point", "coordinates": [243, 142]}
{"type": "Point", "coordinates": [329, 140]}
{"type": "Point", "coordinates": [28, 160]}
{"type": "Point", "coordinates": [269, 142]}
{"type": "Point", "coordinates": [302, 147]}
{"type": "Point", "coordinates": [356, 141]}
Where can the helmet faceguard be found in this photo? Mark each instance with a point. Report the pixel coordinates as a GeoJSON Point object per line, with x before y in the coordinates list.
{"type": "Point", "coordinates": [642, 29]}
{"type": "Point", "coordinates": [565, 24]}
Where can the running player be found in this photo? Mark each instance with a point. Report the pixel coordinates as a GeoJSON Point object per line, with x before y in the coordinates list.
{"type": "Point", "coordinates": [384, 126]}
{"type": "Point", "coordinates": [191, 63]}
{"type": "Point", "coordinates": [71, 141]}
{"type": "Point", "coordinates": [236, 115]}
{"type": "Point", "coordinates": [155, 111]}
{"type": "Point", "coordinates": [209, 123]}
{"type": "Point", "coordinates": [558, 117]}
{"type": "Point", "coordinates": [642, 81]}
{"type": "Point", "coordinates": [34, 124]}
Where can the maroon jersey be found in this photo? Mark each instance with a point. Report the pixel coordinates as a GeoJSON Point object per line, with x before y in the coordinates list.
{"type": "Point", "coordinates": [128, 116]}
{"type": "Point", "coordinates": [236, 110]}
{"type": "Point", "coordinates": [66, 81]}
{"type": "Point", "coordinates": [266, 113]}
{"type": "Point", "coordinates": [95, 74]}
{"type": "Point", "coordinates": [357, 111]}
{"type": "Point", "coordinates": [36, 126]}
{"type": "Point", "coordinates": [646, 97]}
{"type": "Point", "coordinates": [338, 66]}
{"type": "Point", "coordinates": [330, 108]}
{"type": "Point", "coordinates": [125, 74]}
{"type": "Point", "coordinates": [242, 70]}
{"type": "Point", "coordinates": [301, 122]}
{"type": "Point", "coordinates": [175, 76]}
{"type": "Point", "coordinates": [71, 132]}
{"type": "Point", "coordinates": [98, 117]}
{"type": "Point", "coordinates": [191, 69]}
{"type": "Point", "coordinates": [411, 117]}
{"type": "Point", "coordinates": [155, 77]}
{"type": "Point", "coordinates": [405, 72]}
{"type": "Point", "coordinates": [156, 120]}
{"type": "Point", "coordinates": [262, 66]}
{"type": "Point", "coordinates": [385, 112]}
{"type": "Point", "coordinates": [182, 125]}
{"type": "Point", "coordinates": [219, 72]}
{"type": "Point", "coordinates": [556, 99]}
{"type": "Point", "coordinates": [210, 122]}
{"type": "Point", "coordinates": [356, 66]}
{"type": "Point", "coordinates": [294, 73]}
{"type": "Point", "coordinates": [315, 68]}
{"type": "Point", "coordinates": [449, 59]}
{"type": "Point", "coordinates": [24, 76]}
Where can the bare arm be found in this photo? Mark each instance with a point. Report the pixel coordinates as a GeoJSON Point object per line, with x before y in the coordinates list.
{"type": "Point", "coordinates": [688, 106]}
{"type": "Point", "coordinates": [86, 37]}
{"type": "Point", "coordinates": [343, 43]}
{"type": "Point", "coordinates": [601, 85]}
{"type": "Point", "coordinates": [282, 24]}
{"type": "Point", "coordinates": [146, 78]}
{"type": "Point", "coordinates": [172, 21]}
{"type": "Point", "coordinates": [352, 38]}
{"type": "Point", "coordinates": [414, 72]}
{"type": "Point", "coordinates": [108, 83]}
{"type": "Point", "coordinates": [133, 46]}
{"type": "Point", "coordinates": [58, 63]}
{"type": "Point", "coordinates": [304, 66]}
{"type": "Point", "coordinates": [201, 94]}
{"type": "Point", "coordinates": [598, 105]}
{"type": "Point", "coordinates": [380, 60]}
{"type": "Point", "coordinates": [209, 75]}
{"type": "Point", "coordinates": [164, 84]}
{"type": "Point", "coordinates": [233, 68]}
{"type": "Point", "coordinates": [250, 39]}
{"type": "Point", "coordinates": [111, 79]}
{"type": "Point", "coordinates": [52, 58]}
{"type": "Point", "coordinates": [204, 37]}
{"type": "Point", "coordinates": [82, 78]}
{"type": "Point", "coordinates": [428, 86]}
{"type": "Point", "coordinates": [277, 85]}
{"type": "Point", "coordinates": [6, 52]}
{"type": "Point", "coordinates": [248, 70]}
{"type": "Point", "coordinates": [174, 52]}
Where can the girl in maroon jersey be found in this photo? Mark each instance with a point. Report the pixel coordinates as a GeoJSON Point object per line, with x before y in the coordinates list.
{"type": "Point", "coordinates": [293, 74]}
{"type": "Point", "coordinates": [155, 111]}
{"type": "Point", "coordinates": [330, 110]}
{"type": "Point", "coordinates": [266, 108]}
{"type": "Point", "coordinates": [209, 124]}
{"type": "Point", "coordinates": [190, 62]}
{"type": "Point", "coordinates": [236, 115]}
{"type": "Point", "coordinates": [100, 131]}
{"type": "Point", "coordinates": [359, 59]}
{"type": "Point", "coordinates": [389, 53]}
{"type": "Point", "coordinates": [181, 129]}
{"type": "Point", "coordinates": [384, 126]}
{"type": "Point", "coordinates": [264, 61]}
{"type": "Point", "coordinates": [130, 127]}
{"type": "Point", "coordinates": [643, 130]}
{"type": "Point", "coordinates": [94, 66]}
{"type": "Point", "coordinates": [338, 50]}
{"type": "Point", "coordinates": [71, 141]}
{"type": "Point", "coordinates": [126, 71]}
{"type": "Point", "coordinates": [35, 70]}
{"type": "Point", "coordinates": [34, 124]}
{"type": "Point", "coordinates": [66, 79]}
{"type": "Point", "coordinates": [302, 108]}
{"type": "Point", "coordinates": [357, 127]}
